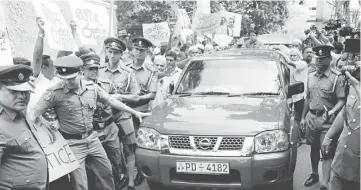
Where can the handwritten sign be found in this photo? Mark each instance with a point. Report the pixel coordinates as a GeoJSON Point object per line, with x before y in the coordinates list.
{"type": "Point", "coordinates": [93, 22]}
{"type": "Point", "coordinates": [157, 33]}
{"type": "Point", "coordinates": [230, 24]}
{"type": "Point", "coordinates": [57, 31]}
{"type": "Point", "coordinates": [61, 159]}
{"type": "Point", "coordinates": [206, 22]}
{"type": "Point", "coordinates": [5, 50]}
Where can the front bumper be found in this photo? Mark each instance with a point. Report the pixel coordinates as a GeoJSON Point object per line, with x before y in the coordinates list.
{"type": "Point", "coordinates": [245, 172]}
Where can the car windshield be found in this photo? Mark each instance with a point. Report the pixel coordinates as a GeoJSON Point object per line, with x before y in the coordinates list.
{"type": "Point", "coordinates": [234, 76]}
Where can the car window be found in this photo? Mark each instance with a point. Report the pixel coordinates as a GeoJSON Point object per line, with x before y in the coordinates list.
{"type": "Point", "coordinates": [232, 76]}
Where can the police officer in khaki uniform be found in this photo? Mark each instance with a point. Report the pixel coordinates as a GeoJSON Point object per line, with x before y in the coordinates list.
{"type": "Point", "coordinates": [103, 121]}
{"type": "Point", "coordinates": [147, 78]}
{"type": "Point", "coordinates": [74, 101]}
{"type": "Point", "coordinates": [23, 164]}
{"type": "Point", "coordinates": [128, 91]}
{"type": "Point", "coordinates": [345, 173]}
{"type": "Point", "coordinates": [325, 96]}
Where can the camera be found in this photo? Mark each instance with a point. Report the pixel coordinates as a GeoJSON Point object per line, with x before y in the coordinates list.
{"type": "Point", "coordinates": [333, 25]}
{"type": "Point", "coordinates": [312, 28]}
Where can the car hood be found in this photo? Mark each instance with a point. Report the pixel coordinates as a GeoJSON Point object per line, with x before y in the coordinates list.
{"type": "Point", "coordinates": [217, 115]}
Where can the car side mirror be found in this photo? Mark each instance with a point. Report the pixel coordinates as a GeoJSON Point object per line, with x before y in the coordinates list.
{"type": "Point", "coordinates": [295, 88]}
{"type": "Point", "coordinates": [171, 88]}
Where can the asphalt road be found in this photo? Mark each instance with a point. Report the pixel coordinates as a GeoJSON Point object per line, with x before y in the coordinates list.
{"type": "Point", "coordinates": [303, 169]}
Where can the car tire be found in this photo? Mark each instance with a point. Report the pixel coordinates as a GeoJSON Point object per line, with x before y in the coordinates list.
{"type": "Point", "coordinates": [155, 185]}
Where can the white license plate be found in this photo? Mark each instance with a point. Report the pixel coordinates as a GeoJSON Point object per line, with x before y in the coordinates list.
{"type": "Point", "coordinates": [202, 167]}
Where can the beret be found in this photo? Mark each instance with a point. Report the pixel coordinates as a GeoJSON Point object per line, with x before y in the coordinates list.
{"type": "Point", "coordinates": [16, 77]}
{"type": "Point", "coordinates": [115, 43]}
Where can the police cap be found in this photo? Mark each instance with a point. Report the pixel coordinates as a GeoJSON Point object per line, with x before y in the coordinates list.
{"type": "Point", "coordinates": [16, 77]}
{"type": "Point", "coordinates": [115, 43]}
{"type": "Point", "coordinates": [68, 66]}
{"type": "Point", "coordinates": [91, 60]}
{"type": "Point", "coordinates": [322, 51]}
{"type": "Point", "coordinates": [141, 43]}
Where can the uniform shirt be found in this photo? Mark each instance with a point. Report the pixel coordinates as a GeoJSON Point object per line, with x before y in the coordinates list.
{"type": "Point", "coordinates": [311, 67]}
{"type": "Point", "coordinates": [346, 162]}
{"type": "Point", "coordinates": [103, 112]}
{"type": "Point", "coordinates": [325, 89]}
{"type": "Point", "coordinates": [124, 81]}
{"type": "Point", "coordinates": [22, 160]}
{"type": "Point", "coordinates": [253, 44]}
{"type": "Point", "coordinates": [74, 110]}
{"type": "Point", "coordinates": [41, 85]}
{"type": "Point", "coordinates": [147, 79]}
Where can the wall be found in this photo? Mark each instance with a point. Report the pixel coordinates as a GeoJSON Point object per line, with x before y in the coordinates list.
{"type": "Point", "coordinates": [21, 26]}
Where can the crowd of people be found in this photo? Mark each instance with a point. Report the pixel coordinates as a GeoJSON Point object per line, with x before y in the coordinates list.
{"type": "Point", "coordinates": [98, 106]}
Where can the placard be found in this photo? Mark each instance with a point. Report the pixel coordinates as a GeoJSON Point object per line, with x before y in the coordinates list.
{"type": "Point", "coordinates": [157, 33]}
{"type": "Point", "coordinates": [230, 24]}
{"type": "Point", "coordinates": [61, 159]}
{"type": "Point", "coordinates": [92, 22]}
{"type": "Point", "coordinates": [206, 22]}
{"type": "Point", "coordinates": [57, 31]}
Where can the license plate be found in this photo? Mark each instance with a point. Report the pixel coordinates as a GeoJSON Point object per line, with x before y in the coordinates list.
{"type": "Point", "coordinates": [202, 167]}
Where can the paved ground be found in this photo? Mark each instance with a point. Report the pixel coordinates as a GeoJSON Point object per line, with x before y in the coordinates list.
{"type": "Point", "coordinates": [303, 168]}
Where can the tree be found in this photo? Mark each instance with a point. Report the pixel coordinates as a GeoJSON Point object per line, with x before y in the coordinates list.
{"type": "Point", "coordinates": [268, 16]}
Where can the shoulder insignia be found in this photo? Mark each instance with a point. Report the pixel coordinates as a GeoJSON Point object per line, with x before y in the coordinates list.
{"type": "Point", "coordinates": [58, 85]}
{"type": "Point", "coordinates": [335, 71]}
{"type": "Point", "coordinates": [48, 95]}
{"type": "Point", "coordinates": [150, 67]}
{"type": "Point", "coordinates": [129, 63]}
{"type": "Point", "coordinates": [103, 80]}
{"type": "Point", "coordinates": [88, 82]}
{"type": "Point", "coordinates": [126, 68]}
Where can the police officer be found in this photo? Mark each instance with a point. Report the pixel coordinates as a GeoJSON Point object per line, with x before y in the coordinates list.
{"type": "Point", "coordinates": [345, 173]}
{"type": "Point", "coordinates": [147, 78]}
{"type": "Point", "coordinates": [23, 164]}
{"type": "Point", "coordinates": [128, 91]}
{"type": "Point", "coordinates": [74, 101]}
{"type": "Point", "coordinates": [325, 96]}
{"type": "Point", "coordinates": [103, 121]}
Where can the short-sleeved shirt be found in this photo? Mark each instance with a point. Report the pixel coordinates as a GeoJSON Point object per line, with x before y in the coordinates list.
{"type": "Point", "coordinates": [74, 110]}
{"type": "Point", "coordinates": [103, 112]}
{"type": "Point", "coordinates": [325, 89]}
{"type": "Point", "coordinates": [299, 74]}
{"type": "Point", "coordinates": [147, 79]}
{"type": "Point", "coordinates": [23, 162]}
{"type": "Point", "coordinates": [346, 162]}
{"type": "Point", "coordinates": [124, 80]}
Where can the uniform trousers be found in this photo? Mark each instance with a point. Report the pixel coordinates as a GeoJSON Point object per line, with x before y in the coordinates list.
{"type": "Point", "coordinates": [108, 136]}
{"type": "Point", "coordinates": [89, 151]}
{"type": "Point", "coordinates": [337, 183]}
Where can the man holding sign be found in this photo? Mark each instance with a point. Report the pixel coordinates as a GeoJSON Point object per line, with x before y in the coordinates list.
{"type": "Point", "coordinates": [23, 163]}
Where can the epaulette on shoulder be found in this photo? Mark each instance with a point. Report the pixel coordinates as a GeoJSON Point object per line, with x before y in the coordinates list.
{"type": "Point", "coordinates": [128, 64]}
{"type": "Point", "coordinates": [88, 82]}
{"type": "Point", "coordinates": [103, 80]}
{"type": "Point", "coordinates": [58, 86]}
{"type": "Point", "coordinates": [126, 68]}
{"type": "Point", "coordinates": [150, 67]}
{"type": "Point", "coordinates": [335, 71]}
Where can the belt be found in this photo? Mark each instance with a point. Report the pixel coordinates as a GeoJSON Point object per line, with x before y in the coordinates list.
{"type": "Point", "coordinates": [101, 125]}
{"type": "Point", "coordinates": [75, 136]}
{"type": "Point", "coordinates": [317, 112]}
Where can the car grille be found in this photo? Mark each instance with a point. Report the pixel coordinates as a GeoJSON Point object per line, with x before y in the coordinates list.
{"type": "Point", "coordinates": [187, 142]}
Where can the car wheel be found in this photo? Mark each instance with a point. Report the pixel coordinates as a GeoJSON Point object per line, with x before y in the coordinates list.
{"type": "Point", "coordinates": [155, 185]}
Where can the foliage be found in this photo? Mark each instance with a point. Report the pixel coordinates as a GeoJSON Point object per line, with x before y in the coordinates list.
{"type": "Point", "coordinates": [268, 16]}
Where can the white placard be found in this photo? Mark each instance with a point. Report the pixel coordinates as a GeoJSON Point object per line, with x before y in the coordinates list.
{"type": "Point", "coordinates": [157, 33]}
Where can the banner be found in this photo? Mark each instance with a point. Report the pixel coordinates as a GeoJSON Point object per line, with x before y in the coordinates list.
{"type": "Point", "coordinates": [5, 50]}
{"type": "Point", "coordinates": [92, 22]}
{"type": "Point", "coordinates": [57, 31]}
{"type": "Point", "coordinates": [206, 22]}
{"type": "Point", "coordinates": [61, 159]}
{"type": "Point", "coordinates": [157, 33]}
{"type": "Point", "coordinates": [230, 24]}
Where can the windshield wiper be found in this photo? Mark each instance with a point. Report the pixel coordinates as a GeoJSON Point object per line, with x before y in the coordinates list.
{"type": "Point", "coordinates": [254, 93]}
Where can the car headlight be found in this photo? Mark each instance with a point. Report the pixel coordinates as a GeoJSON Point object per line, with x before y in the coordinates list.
{"type": "Point", "coordinates": [150, 139]}
{"type": "Point", "coordinates": [271, 141]}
